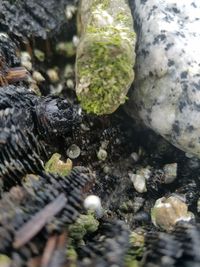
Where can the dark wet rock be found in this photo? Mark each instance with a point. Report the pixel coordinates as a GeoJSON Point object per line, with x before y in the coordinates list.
{"type": "Point", "coordinates": [21, 153]}
{"type": "Point", "coordinates": [33, 18]}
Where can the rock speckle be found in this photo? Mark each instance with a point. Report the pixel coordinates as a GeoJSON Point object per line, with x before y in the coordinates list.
{"type": "Point", "coordinates": [166, 93]}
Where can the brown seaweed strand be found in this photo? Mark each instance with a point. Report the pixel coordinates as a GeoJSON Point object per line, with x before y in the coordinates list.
{"type": "Point", "coordinates": [49, 250]}
{"type": "Point", "coordinates": [38, 221]}
{"type": "Point", "coordinates": [16, 74]}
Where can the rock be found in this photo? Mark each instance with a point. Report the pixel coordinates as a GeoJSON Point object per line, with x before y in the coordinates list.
{"type": "Point", "coordinates": [170, 171]}
{"type": "Point", "coordinates": [105, 55]}
{"type": "Point", "coordinates": [166, 94]}
{"type": "Point", "coordinates": [139, 179]}
{"type": "Point", "coordinates": [168, 211]}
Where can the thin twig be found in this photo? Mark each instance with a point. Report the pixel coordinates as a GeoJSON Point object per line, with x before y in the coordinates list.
{"type": "Point", "coordinates": [38, 221]}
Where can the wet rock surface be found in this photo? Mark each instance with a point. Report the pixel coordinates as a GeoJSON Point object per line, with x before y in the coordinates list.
{"type": "Point", "coordinates": [166, 88]}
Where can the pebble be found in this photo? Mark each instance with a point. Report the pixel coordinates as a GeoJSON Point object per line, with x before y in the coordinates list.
{"type": "Point", "coordinates": [37, 76]}
{"type": "Point", "coordinates": [70, 11]}
{"type": "Point", "coordinates": [70, 84]}
{"type": "Point", "coordinates": [198, 205]}
{"type": "Point", "coordinates": [53, 75]}
{"type": "Point", "coordinates": [170, 171]}
{"type": "Point", "coordinates": [139, 179]}
{"type": "Point", "coordinates": [26, 60]}
{"type": "Point", "coordinates": [40, 55]}
{"type": "Point", "coordinates": [168, 211]}
{"type": "Point", "coordinates": [135, 156]}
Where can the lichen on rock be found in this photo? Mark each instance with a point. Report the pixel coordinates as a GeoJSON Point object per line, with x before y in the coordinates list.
{"type": "Point", "coordinates": [105, 55]}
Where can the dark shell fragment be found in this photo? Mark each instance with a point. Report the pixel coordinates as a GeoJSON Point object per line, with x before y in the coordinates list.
{"type": "Point", "coordinates": [8, 51]}
{"type": "Point", "coordinates": [25, 119]}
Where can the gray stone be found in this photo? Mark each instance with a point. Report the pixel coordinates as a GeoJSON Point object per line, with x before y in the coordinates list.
{"type": "Point", "coordinates": [166, 93]}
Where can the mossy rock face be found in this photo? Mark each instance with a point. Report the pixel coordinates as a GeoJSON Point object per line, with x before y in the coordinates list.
{"type": "Point", "coordinates": [105, 55]}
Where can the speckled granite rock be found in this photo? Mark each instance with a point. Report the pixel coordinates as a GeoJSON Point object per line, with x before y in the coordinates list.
{"type": "Point", "coordinates": [166, 92]}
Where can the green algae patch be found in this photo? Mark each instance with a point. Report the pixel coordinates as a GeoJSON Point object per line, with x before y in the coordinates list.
{"type": "Point", "coordinates": [57, 166]}
{"type": "Point", "coordinates": [136, 250]}
{"type": "Point", "coordinates": [105, 55]}
{"type": "Point", "coordinates": [5, 261]}
{"type": "Point", "coordinates": [84, 225]}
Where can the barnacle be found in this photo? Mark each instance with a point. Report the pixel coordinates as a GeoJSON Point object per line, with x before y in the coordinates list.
{"type": "Point", "coordinates": [105, 55]}
{"type": "Point", "coordinates": [47, 202]}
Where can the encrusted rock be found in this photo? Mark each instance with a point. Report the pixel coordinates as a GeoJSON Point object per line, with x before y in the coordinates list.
{"type": "Point", "coordinates": [166, 93]}
{"type": "Point", "coordinates": [168, 211]}
{"type": "Point", "coordinates": [105, 55]}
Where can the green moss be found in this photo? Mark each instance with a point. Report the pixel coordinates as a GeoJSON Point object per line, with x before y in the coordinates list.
{"type": "Point", "coordinates": [72, 256]}
{"type": "Point", "coordinates": [103, 4]}
{"type": "Point", "coordinates": [121, 17]}
{"type": "Point", "coordinates": [108, 73]}
{"type": "Point", "coordinates": [135, 251]}
{"type": "Point", "coordinates": [131, 262]}
{"type": "Point", "coordinates": [105, 58]}
{"type": "Point", "coordinates": [84, 224]}
{"type": "Point", "coordinates": [66, 49]}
